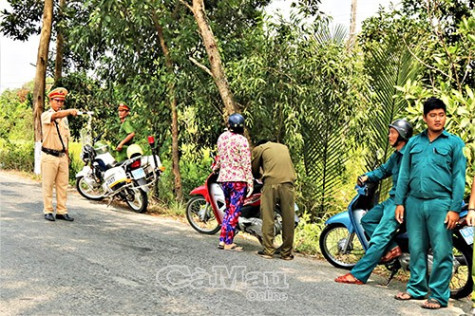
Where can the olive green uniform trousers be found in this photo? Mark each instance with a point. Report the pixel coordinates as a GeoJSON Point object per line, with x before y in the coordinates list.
{"type": "Point", "coordinates": [284, 194]}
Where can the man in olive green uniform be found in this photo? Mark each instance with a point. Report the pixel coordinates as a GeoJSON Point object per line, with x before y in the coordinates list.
{"type": "Point", "coordinates": [126, 132]}
{"type": "Point", "coordinates": [471, 222]}
{"type": "Point", "coordinates": [278, 175]}
{"type": "Point", "coordinates": [430, 188]}
{"type": "Point", "coordinates": [54, 156]}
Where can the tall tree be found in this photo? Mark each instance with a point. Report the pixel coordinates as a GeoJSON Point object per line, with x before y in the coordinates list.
{"type": "Point", "coordinates": [173, 107]}
{"type": "Point", "coordinates": [40, 77]}
{"type": "Point", "coordinates": [58, 69]}
{"type": "Point", "coordinates": [351, 39]}
{"type": "Point", "coordinates": [214, 57]}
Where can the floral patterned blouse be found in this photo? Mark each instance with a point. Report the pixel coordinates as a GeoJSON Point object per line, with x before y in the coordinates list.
{"type": "Point", "coordinates": [234, 159]}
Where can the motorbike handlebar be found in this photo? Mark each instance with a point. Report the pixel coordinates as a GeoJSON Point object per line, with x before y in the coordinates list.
{"type": "Point", "coordinates": [85, 113]}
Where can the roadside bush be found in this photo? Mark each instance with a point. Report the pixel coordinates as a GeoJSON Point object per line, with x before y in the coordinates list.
{"type": "Point", "coordinates": [76, 163]}
{"type": "Point", "coordinates": [307, 234]}
{"type": "Point", "coordinates": [18, 155]}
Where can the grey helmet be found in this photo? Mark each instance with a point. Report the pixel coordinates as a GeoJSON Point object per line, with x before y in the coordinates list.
{"type": "Point", "coordinates": [403, 127]}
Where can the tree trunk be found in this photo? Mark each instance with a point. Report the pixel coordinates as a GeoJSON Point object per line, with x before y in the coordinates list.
{"type": "Point", "coordinates": [351, 40]}
{"type": "Point", "coordinates": [58, 70]}
{"type": "Point", "coordinates": [40, 78]}
{"type": "Point", "coordinates": [173, 108]}
{"type": "Point", "coordinates": [214, 58]}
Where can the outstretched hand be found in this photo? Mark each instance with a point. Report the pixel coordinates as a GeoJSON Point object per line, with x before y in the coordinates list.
{"type": "Point", "coordinates": [451, 219]}
{"type": "Point", "coordinates": [400, 214]}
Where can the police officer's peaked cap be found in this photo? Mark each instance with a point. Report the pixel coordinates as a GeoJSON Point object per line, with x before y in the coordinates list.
{"type": "Point", "coordinates": [58, 93]}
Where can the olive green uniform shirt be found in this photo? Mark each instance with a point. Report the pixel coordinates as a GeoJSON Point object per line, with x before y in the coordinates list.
{"type": "Point", "coordinates": [125, 129]}
{"type": "Point", "coordinates": [274, 158]}
{"type": "Point", "coordinates": [431, 170]}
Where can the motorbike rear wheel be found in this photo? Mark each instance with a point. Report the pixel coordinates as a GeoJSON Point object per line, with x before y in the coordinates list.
{"type": "Point", "coordinates": [201, 217]}
{"type": "Point", "coordinates": [138, 200]}
{"type": "Point", "coordinates": [461, 283]}
{"type": "Point", "coordinates": [333, 240]}
{"type": "Point", "coordinates": [89, 192]}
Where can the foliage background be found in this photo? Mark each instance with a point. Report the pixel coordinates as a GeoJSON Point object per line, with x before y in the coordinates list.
{"type": "Point", "coordinates": [296, 81]}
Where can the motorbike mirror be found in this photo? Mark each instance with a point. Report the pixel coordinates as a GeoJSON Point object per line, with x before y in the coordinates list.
{"type": "Point", "coordinates": [151, 140]}
{"type": "Point", "coordinates": [97, 138]}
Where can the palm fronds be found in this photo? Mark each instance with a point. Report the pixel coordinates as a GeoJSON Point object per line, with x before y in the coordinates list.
{"type": "Point", "coordinates": [387, 69]}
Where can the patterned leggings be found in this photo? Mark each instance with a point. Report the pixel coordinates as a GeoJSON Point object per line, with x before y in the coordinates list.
{"type": "Point", "coordinates": [234, 193]}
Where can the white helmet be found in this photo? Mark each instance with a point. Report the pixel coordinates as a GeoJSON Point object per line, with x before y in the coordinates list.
{"type": "Point", "coordinates": [134, 150]}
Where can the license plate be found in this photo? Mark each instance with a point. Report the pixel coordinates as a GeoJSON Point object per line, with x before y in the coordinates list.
{"type": "Point", "coordinates": [467, 234]}
{"type": "Point", "coordinates": [138, 173]}
{"type": "Point", "coordinates": [110, 181]}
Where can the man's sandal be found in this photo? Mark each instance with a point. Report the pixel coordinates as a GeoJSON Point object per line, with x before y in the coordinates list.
{"type": "Point", "coordinates": [348, 279]}
{"type": "Point", "coordinates": [404, 296]}
{"type": "Point", "coordinates": [431, 304]}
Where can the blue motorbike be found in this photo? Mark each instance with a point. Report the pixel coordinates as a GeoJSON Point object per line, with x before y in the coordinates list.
{"type": "Point", "coordinates": [343, 242]}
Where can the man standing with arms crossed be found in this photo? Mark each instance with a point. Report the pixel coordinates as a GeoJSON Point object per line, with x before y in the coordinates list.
{"type": "Point", "coordinates": [430, 191]}
{"type": "Point", "coordinates": [54, 157]}
{"type": "Point", "coordinates": [278, 176]}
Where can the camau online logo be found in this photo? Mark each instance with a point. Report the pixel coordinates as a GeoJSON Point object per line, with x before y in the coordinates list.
{"type": "Point", "coordinates": [257, 285]}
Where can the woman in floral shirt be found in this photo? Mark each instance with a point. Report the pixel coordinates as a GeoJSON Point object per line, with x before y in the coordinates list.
{"type": "Point", "coordinates": [235, 176]}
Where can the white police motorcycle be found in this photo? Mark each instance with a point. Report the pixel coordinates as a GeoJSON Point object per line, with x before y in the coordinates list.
{"type": "Point", "coordinates": [130, 180]}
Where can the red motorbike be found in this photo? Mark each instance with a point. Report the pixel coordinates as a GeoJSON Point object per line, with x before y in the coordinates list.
{"type": "Point", "coordinates": [205, 210]}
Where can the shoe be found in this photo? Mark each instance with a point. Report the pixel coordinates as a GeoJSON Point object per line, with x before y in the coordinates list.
{"type": "Point", "coordinates": [65, 217]}
{"type": "Point", "coordinates": [265, 255]}
{"type": "Point", "coordinates": [49, 217]}
{"type": "Point", "coordinates": [289, 257]}
{"type": "Point", "coordinates": [221, 245]}
{"type": "Point", "coordinates": [391, 254]}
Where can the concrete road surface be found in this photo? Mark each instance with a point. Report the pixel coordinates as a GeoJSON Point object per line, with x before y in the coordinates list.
{"type": "Point", "coordinates": [113, 261]}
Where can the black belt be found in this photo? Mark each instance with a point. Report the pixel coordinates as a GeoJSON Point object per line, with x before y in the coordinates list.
{"type": "Point", "coordinates": [56, 153]}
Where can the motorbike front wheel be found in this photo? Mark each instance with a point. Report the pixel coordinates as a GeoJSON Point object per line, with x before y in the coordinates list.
{"type": "Point", "coordinates": [137, 200]}
{"type": "Point", "coordinates": [201, 217]}
{"type": "Point", "coordinates": [89, 192]}
{"type": "Point", "coordinates": [340, 247]}
{"type": "Point", "coordinates": [461, 283]}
